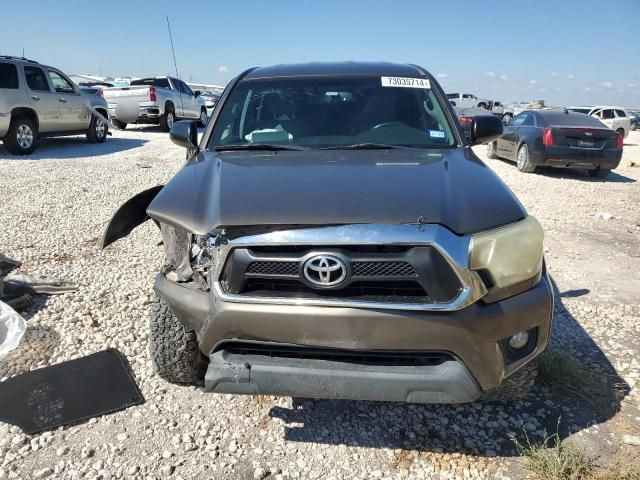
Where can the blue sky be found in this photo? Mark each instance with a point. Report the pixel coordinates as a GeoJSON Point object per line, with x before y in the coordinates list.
{"type": "Point", "coordinates": [564, 51]}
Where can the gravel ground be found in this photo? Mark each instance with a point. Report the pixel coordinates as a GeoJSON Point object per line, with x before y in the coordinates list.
{"type": "Point", "coordinates": [55, 205]}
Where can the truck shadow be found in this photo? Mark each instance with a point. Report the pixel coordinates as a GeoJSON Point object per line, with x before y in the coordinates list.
{"type": "Point", "coordinates": [74, 147]}
{"type": "Point", "coordinates": [476, 429]}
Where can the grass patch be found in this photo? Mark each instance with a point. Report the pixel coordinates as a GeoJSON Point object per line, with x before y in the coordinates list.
{"type": "Point", "coordinates": [566, 377]}
{"type": "Point", "coordinates": [550, 459]}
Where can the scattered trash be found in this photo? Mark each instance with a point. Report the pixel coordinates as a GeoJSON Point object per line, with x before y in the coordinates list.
{"type": "Point", "coordinates": [605, 216]}
{"type": "Point", "coordinates": [12, 327]}
{"type": "Point", "coordinates": [69, 392]}
{"type": "Point", "coordinates": [142, 165]}
{"type": "Point", "coordinates": [33, 284]}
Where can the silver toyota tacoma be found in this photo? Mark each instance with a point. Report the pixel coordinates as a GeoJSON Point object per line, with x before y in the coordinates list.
{"type": "Point", "coordinates": [157, 100]}
{"type": "Point", "coordinates": [38, 101]}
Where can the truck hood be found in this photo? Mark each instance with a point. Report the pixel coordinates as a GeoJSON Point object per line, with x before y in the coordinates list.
{"type": "Point", "coordinates": [450, 187]}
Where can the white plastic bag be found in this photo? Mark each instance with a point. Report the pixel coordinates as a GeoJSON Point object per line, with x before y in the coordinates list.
{"type": "Point", "coordinates": [12, 327]}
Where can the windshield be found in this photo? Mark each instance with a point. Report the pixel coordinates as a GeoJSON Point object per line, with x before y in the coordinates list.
{"type": "Point", "coordinates": [337, 112]}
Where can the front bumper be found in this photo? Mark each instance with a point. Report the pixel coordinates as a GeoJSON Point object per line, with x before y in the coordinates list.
{"type": "Point", "coordinates": [471, 335]}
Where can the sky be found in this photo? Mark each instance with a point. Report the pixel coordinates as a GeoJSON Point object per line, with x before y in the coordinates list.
{"type": "Point", "coordinates": [562, 51]}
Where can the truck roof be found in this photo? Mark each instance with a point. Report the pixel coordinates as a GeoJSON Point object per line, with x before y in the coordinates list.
{"type": "Point", "coordinates": [323, 69]}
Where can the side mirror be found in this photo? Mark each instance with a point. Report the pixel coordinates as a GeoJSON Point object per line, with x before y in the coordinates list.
{"type": "Point", "coordinates": [485, 129]}
{"type": "Point", "coordinates": [197, 93]}
{"type": "Point", "coordinates": [185, 134]}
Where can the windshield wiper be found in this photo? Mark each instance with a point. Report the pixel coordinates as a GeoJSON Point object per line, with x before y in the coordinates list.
{"type": "Point", "coordinates": [362, 146]}
{"type": "Point", "coordinates": [257, 146]}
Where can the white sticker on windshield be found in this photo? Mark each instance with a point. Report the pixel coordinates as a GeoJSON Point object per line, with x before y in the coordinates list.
{"type": "Point", "coordinates": [436, 133]}
{"type": "Point", "coordinates": [405, 82]}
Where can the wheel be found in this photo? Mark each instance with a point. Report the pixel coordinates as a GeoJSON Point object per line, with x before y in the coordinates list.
{"type": "Point", "coordinates": [515, 387]}
{"type": "Point", "coordinates": [523, 162]}
{"type": "Point", "coordinates": [121, 125]}
{"type": "Point", "coordinates": [633, 126]}
{"type": "Point", "coordinates": [174, 350]}
{"type": "Point", "coordinates": [482, 105]}
{"type": "Point", "coordinates": [97, 132]}
{"type": "Point", "coordinates": [204, 118]}
{"type": "Point", "coordinates": [168, 119]}
{"type": "Point", "coordinates": [22, 137]}
{"type": "Point", "coordinates": [506, 118]}
{"type": "Point", "coordinates": [599, 172]}
{"type": "Point", "coordinates": [491, 150]}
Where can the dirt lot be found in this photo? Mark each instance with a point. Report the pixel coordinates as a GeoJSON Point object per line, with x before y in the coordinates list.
{"type": "Point", "coordinates": [54, 207]}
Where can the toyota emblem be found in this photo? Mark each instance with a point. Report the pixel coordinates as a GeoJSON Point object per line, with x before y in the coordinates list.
{"type": "Point", "coordinates": [324, 270]}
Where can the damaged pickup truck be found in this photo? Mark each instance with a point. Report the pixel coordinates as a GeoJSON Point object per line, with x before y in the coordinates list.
{"type": "Point", "coordinates": [332, 235]}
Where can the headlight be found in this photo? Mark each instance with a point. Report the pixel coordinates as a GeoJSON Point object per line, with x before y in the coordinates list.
{"type": "Point", "coordinates": [509, 259]}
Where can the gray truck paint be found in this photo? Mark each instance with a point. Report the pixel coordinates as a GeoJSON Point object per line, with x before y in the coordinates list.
{"type": "Point", "coordinates": [336, 187]}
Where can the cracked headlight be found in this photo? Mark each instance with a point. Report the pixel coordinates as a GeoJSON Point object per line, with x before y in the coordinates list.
{"type": "Point", "coordinates": [509, 259]}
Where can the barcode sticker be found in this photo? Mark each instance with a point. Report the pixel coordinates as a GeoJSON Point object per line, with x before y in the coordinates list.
{"type": "Point", "coordinates": [405, 82]}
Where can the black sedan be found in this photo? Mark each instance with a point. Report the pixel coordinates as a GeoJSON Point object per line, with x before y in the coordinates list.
{"type": "Point", "coordinates": [561, 139]}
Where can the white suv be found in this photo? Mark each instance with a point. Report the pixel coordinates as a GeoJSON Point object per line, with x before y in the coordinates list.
{"type": "Point", "coordinates": [616, 118]}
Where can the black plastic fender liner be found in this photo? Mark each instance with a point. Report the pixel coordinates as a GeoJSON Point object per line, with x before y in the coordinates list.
{"type": "Point", "coordinates": [131, 214]}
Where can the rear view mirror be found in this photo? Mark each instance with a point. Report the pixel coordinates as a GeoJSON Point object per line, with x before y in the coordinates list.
{"type": "Point", "coordinates": [185, 134]}
{"type": "Point", "coordinates": [485, 129]}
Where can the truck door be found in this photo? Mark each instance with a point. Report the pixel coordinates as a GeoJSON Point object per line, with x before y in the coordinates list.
{"type": "Point", "coordinates": [42, 99]}
{"type": "Point", "coordinates": [74, 115]}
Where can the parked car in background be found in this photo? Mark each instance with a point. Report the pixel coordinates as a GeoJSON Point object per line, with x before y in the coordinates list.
{"type": "Point", "coordinates": [561, 139]}
{"type": "Point", "coordinates": [157, 100]}
{"type": "Point", "coordinates": [210, 100]}
{"type": "Point", "coordinates": [616, 118]}
{"type": "Point", "coordinates": [92, 91]}
{"type": "Point", "coordinates": [635, 121]}
{"type": "Point", "coordinates": [332, 235]}
{"type": "Point", "coordinates": [467, 100]}
{"type": "Point", "coordinates": [39, 101]}
{"type": "Point", "coordinates": [506, 113]}
{"type": "Point", "coordinates": [467, 115]}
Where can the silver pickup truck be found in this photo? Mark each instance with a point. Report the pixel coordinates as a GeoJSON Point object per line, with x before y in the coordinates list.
{"type": "Point", "coordinates": [157, 100]}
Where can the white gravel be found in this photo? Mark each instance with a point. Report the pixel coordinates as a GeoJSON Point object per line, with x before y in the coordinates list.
{"type": "Point", "coordinates": [54, 207]}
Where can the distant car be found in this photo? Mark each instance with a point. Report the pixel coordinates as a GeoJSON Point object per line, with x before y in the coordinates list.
{"type": "Point", "coordinates": [466, 116]}
{"type": "Point", "coordinates": [210, 100]}
{"type": "Point", "coordinates": [92, 91]}
{"type": "Point", "coordinates": [562, 139]}
{"type": "Point", "coordinates": [506, 113]}
{"type": "Point", "coordinates": [616, 118]}
{"type": "Point", "coordinates": [635, 121]}
{"type": "Point", "coordinates": [39, 101]}
{"type": "Point", "coordinates": [467, 100]}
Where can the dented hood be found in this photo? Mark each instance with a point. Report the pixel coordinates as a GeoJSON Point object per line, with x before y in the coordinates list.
{"type": "Point", "coordinates": [328, 187]}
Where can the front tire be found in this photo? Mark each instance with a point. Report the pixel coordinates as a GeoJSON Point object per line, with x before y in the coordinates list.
{"type": "Point", "coordinates": [174, 349]}
{"type": "Point", "coordinates": [168, 119]}
{"type": "Point", "coordinates": [22, 137]}
{"type": "Point", "coordinates": [482, 105]}
{"type": "Point", "coordinates": [515, 387]}
{"type": "Point", "coordinates": [523, 162]}
{"type": "Point", "coordinates": [97, 132]}
{"type": "Point", "coordinates": [491, 150]}
{"type": "Point", "coordinates": [506, 119]}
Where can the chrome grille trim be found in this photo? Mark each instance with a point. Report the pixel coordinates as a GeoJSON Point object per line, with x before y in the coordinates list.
{"type": "Point", "coordinates": [453, 248]}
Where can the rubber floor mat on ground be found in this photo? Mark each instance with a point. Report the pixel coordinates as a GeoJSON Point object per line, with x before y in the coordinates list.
{"type": "Point", "coordinates": [69, 392]}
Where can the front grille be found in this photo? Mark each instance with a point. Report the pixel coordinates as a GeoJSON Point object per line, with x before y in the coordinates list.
{"type": "Point", "coordinates": [382, 358]}
{"type": "Point", "coordinates": [273, 268]}
{"type": "Point", "coordinates": [388, 273]}
{"type": "Point", "coordinates": [383, 269]}
{"type": "Point", "coordinates": [399, 292]}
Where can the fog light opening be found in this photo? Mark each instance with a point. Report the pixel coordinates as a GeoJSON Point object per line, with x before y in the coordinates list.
{"type": "Point", "coordinates": [519, 340]}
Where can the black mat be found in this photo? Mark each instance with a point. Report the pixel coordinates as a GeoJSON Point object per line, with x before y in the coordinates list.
{"type": "Point", "coordinates": [69, 392]}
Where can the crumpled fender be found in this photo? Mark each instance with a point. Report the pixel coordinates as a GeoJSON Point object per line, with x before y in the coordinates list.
{"type": "Point", "coordinates": [131, 214]}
